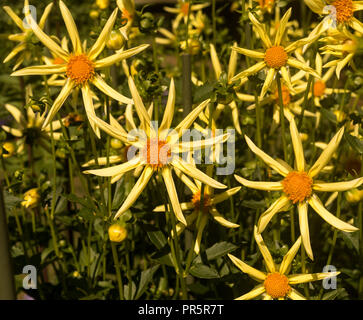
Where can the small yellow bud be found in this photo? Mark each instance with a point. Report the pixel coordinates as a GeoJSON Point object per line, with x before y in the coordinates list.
{"type": "Point", "coordinates": [94, 14]}
{"type": "Point", "coordinates": [116, 40]}
{"type": "Point", "coordinates": [7, 149]}
{"type": "Point", "coordinates": [103, 4]}
{"type": "Point", "coordinates": [31, 198]}
{"type": "Point", "coordinates": [117, 233]}
{"type": "Point", "coordinates": [304, 137]}
{"type": "Point", "coordinates": [116, 143]}
{"type": "Point", "coordinates": [354, 195]}
{"type": "Point", "coordinates": [340, 115]}
{"type": "Point", "coordinates": [76, 274]}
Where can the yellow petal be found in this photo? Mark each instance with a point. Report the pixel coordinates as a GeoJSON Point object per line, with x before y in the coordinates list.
{"type": "Point", "coordinates": [100, 43]}
{"type": "Point", "coordinates": [264, 251]}
{"type": "Point", "coordinates": [290, 255]}
{"type": "Point", "coordinates": [232, 64]}
{"type": "Point", "coordinates": [304, 228]}
{"type": "Point", "coordinates": [58, 102]}
{"type": "Point", "coordinates": [260, 30]}
{"type": "Point", "coordinates": [338, 186]}
{"type": "Point", "coordinates": [20, 47]}
{"type": "Point", "coordinates": [16, 113]}
{"type": "Point", "coordinates": [224, 195]}
{"type": "Point", "coordinates": [249, 53]}
{"type": "Point", "coordinates": [45, 15]}
{"type": "Point", "coordinates": [297, 144]}
{"type": "Point", "coordinates": [173, 196]}
{"type": "Point", "coordinates": [303, 278]}
{"type": "Point", "coordinates": [295, 295]}
{"type": "Point", "coordinates": [260, 185]}
{"type": "Point", "coordinates": [106, 89]}
{"type": "Point", "coordinates": [326, 154]}
{"type": "Point", "coordinates": [199, 144]}
{"type": "Point", "coordinates": [282, 27]}
{"type": "Point", "coordinates": [316, 204]}
{"type": "Point", "coordinates": [215, 61]}
{"type": "Point", "coordinates": [189, 183]}
{"type": "Point", "coordinates": [255, 292]}
{"type": "Point", "coordinates": [136, 190]}
{"type": "Point", "coordinates": [200, 227]}
{"type": "Point", "coordinates": [13, 131]}
{"type": "Point", "coordinates": [299, 65]}
{"type": "Point", "coordinates": [40, 70]}
{"type": "Point", "coordinates": [192, 171]}
{"type": "Point", "coordinates": [266, 216]}
{"type": "Point", "coordinates": [268, 81]}
{"type": "Point", "coordinates": [14, 17]}
{"type": "Point", "coordinates": [235, 116]}
{"type": "Point", "coordinates": [169, 109]}
{"type": "Point", "coordinates": [112, 171]}
{"type": "Point", "coordinates": [250, 71]}
{"type": "Point", "coordinates": [71, 28]}
{"type": "Point", "coordinates": [103, 161]}
{"type": "Point", "coordinates": [221, 220]}
{"type": "Point", "coordinates": [356, 25]}
{"type": "Point", "coordinates": [252, 272]}
{"type": "Point", "coordinates": [120, 55]}
{"type": "Point", "coordinates": [90, 110]}
{"type": "Point", "coordinates": [266, 158]}
{"type": "Point", "coordinates": [185, 206]}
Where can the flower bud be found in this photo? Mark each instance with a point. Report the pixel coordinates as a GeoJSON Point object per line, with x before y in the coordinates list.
{"type": "Point", "coordinates": [117, 233]}
{"type": "Point", "coordinates": [116, 40]}
{"type": "Point", "coordinates": [94, 14]}
{"type": "Point", "coordinates": [354, 195]}
{"type": "Point", "coordinates": [102, 4]}
{"type": "Point", "coordinates": [7, 149]}
{"type": "Point", "coordinates": [31, 198]}
{"type": "Point", "coordinates": [116, 143]}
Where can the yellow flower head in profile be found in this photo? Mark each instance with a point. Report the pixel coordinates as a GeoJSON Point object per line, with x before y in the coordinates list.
{"type": "Point", "coordinates": [81, 66]}
{"type": "Point", "coordinates": [276, 57]}
{"type": "Point", "coordinates": [299, 186]}
{"type": "Point", "coordinates": [22, 50]}
{"type": "Point", "coordinates": [31, 198]}
{"type": "Point", "coordinates": [207, 209]}
{"type": "Point", "coordinates": [158, 150]}
{"type": "Point", "coordinates": [276, 283]}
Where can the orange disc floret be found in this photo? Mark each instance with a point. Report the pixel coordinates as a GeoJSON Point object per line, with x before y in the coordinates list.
{"type": "Point", "coordinates": [344, 10]}
{"type": "Point", "coordinates": [80, 69]}
{"type": "Point", "coordinates": [277, 285]}
{"type": "Point", "coordinates": [184, 9]}
{"type": "Point", "coordinates": [58, 60]}
{"type": "Point", "coordinates": [266, 4]}
{"type": "Point", "coordinates": [206, 201]}
{"type": "Point", "coordinates": [297, 186]}
{"type": "Point", "coordinates": [126, 14]}
{"type": "Point", "coordinates": [285, 96]}
{"type": "Point", "coordinates": [156, 153]}
{"type": "Point", "coordinates": [319, 88]}
{"type": "Point", "coordinates": [276, 57]}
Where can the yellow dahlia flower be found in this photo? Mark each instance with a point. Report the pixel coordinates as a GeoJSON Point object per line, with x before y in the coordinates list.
{"type": "Point", "coordinates": [158, 151]}
{"type": "Point", "coordinates": [80, 66]}
{"type": "Point", "coordinates": [276, 57]}
{"type": "Point", "coordinates": [276, 282]}
{"type": "Point", "coordinates": [299, 186]}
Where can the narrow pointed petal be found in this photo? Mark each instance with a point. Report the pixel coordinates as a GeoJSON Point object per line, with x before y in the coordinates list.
{"type": "Point", "coordinates": [58, 102]}
{"type": "Point", "coordinates": [319, 208]}
{"type": "Point", "coordinates": [282, 27]}
{"type": "Point", "coordinates": [71, 28]}
{"type": "Point", "coordinates": [289, 257]}
{"type": "Point", "coordinates": [45, 15]}
{"type": "Point", "coordinates": [254, 273]}
{"type": "Point", "coordinates": [303, 278]}
{"type": "Point", "coordinates": [224, 195]}
{"type": "Point", "coordinates": [250, 71]}
{"type": "Point", "coordinates": [260, 30]}
{"type": "Point", "coordinates": [169, 109]}
{"type": "Point", "coordinates": [20, 47]}
{"type": "Point", "coordinates": [338, 186]}
{"type": "Point", "coordinates": [16, 113]}
{"type": "Point", "coordinates": [106, 89]}
{"type": "Point", "coordinates": [295, 295]}
{"type": "Point", "coordinates": [112, 171]}
{"type": "Point", "coordinates": [260, 185]}
{"type": "Point", "coordinates": [221, 220]}
{"type": "Point", "coordinates": [201, 226]}
{"type": "Point", "coordinates": [40, 70]}
{"type": "Point", "coordinates": [173, 196]}
{"type": "Point", "coordinates": [356, 25]}
{"type": "Point", "coordinates": [264, 251]}
{"type": "Point", "coordinates": [266, 216]}
{"type": "Point", "coordinates": [136, 190]}
{"type": "Point", "coordinates": [103, 37]}
{"type": "Point", "coordinates": [192, 171]}
{"type": "Point", "coordinates": [304, 228]}
{"type": "Point", "coordinates": [195, 145]}
{"type": "Point", "coordinates": [268, 81]}
{"type": "Point", "coordinates": [12, 131]}
{"type": "Point", "coordinates": [249, 53]}
{"type": "Point", "coordinates": [90, 110]}
{"type": "Point", "coordinates": [266, 158]}
{"type": "Point", "coordinates": [297, 144]}
{"type": "Point", "coordinates": [232, 64]}
{"type": "Point", "coordinates": [255, 292]}
{"type": "Point", "coordinates": [299, 65]}
{"type": "Point", "coordinates": [189, 183]}
{"type": "Point", "coordinates": [102, 161]}
{"type": "Point", "coordinates": [326, 154]}
{"type": "Point", "coordinates": [120, 55]}
{"type": "Point", "coordinates": [14, 17]}
{"type": "Point", "coordinates": [215, 61]}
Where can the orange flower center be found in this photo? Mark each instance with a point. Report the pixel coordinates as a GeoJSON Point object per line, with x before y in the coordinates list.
{"type": "Point", "coordinates": [344, 10]}
{"type": "Point", "coordinates": [58, 60]}
{"type": "Point", "coordinates": [277, 285]}
{"type": "Point", "coordinates": [276, 57]}
{"type": "Point", "coordinates": [184, 9]}
{"type": "Point", "coordinates": [80, 69]}
{"type": "Point", "coordinates": [206, 201]}
{"type": "Point", "coordinates": [156, 153]}
{"type": "Point", "coordinates": [319, 88]}
{"type": "Point", "coordinates": [126, 15]}
{"type": "Point", "coordinates": [285, 96]}
{"type": "Point", "coordinates": [266, 3]}
{"type": "Point", "coordinates": [297, 186]}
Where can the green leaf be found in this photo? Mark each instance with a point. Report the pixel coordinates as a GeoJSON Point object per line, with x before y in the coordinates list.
{"type": "Point", "coordinates": [146, 277]}
{"type": "Point", "coordinates": [328, 115]}
{"type": "Point", "coordinates": [351, 240]}
{"type": "Point", "coordinates": [203, 92]}
{"type": "Point", "coordinates": [217, 250]}
{"type": "Point", "coordinates": [202, 271]}
{"type": "Point", "coordinates": [355, 143]}
{"type": "Point", "coordinates": [127, 291]}
{"type": "Point", "coordinates": [157, 238]}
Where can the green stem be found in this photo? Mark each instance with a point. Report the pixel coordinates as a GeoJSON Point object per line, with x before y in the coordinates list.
{"type": "Point", "coordinates": [282, 117]}
{"type": "Point", "coordinates": [118, 273]}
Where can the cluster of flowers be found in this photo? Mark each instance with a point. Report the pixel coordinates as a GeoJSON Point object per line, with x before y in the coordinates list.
{"type": "Point", "coordinates": [158, 150]}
